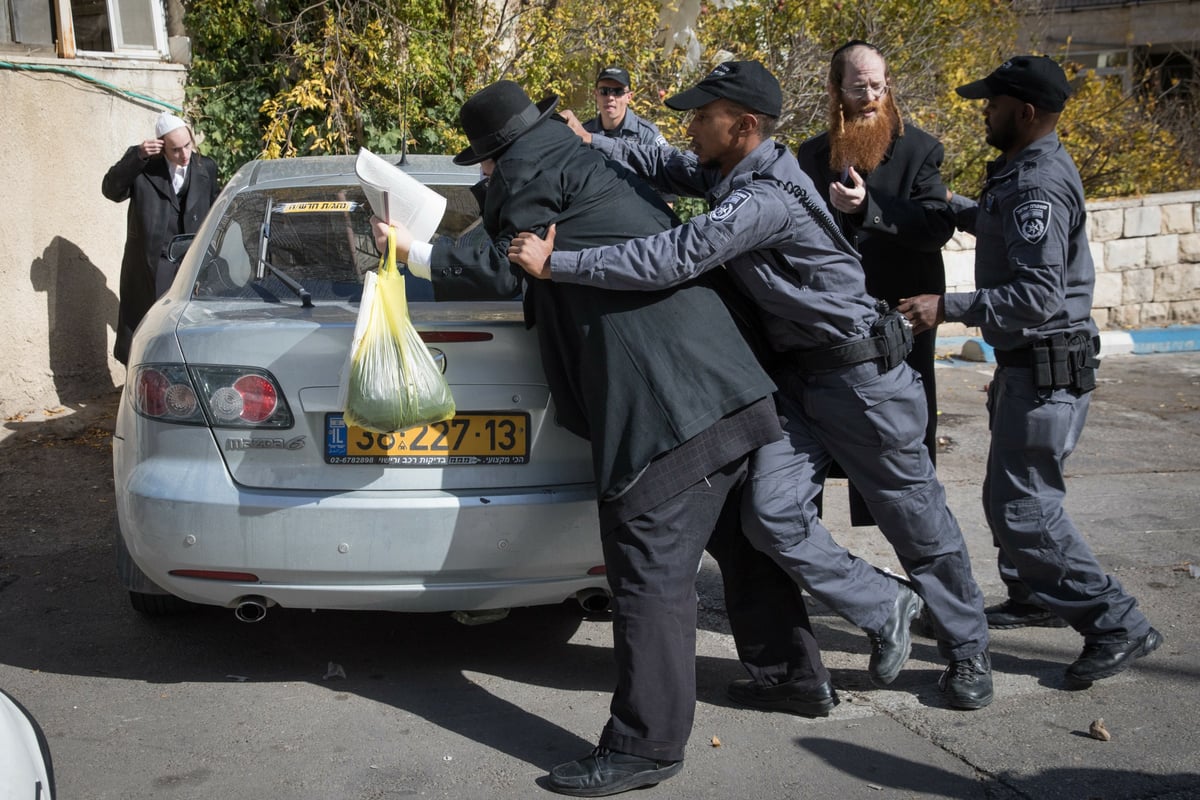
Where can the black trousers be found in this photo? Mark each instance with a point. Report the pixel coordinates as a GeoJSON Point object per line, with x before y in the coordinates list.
{"type": "Point", "coordinates": [652, 563]}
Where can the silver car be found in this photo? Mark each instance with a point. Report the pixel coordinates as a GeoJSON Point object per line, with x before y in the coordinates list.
{"type": "Point", "coordinates": [239, 484]}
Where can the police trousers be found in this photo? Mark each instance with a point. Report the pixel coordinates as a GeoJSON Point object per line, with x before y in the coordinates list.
{"type": "Point", "coordinates": [871, 421]}
{"type": "Point", "coordinates": [1043, 559]}
{"type": "Point", "coordinates": [652, 564]}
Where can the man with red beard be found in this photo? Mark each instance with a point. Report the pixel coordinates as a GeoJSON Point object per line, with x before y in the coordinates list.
{"type": "Point", "coordinates": [883, 182]}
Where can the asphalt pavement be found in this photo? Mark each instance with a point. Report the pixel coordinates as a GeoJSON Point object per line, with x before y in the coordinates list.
{"type": "Point", "coordinates": [375, 705]}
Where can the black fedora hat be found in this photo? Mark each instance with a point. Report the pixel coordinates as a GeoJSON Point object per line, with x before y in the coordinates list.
{"type": "Point", "coordinates": [496, 116]}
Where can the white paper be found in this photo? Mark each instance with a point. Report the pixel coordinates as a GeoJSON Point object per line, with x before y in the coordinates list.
{"type": "Point", "coordinates": [398, 198]}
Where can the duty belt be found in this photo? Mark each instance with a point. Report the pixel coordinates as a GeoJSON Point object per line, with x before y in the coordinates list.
{"type": "Point", "coordinates": [1061, 361]}
{"type": "Point", "coordinates": [1024, 356]}
{"type": "Point", "coordinates": [890, 341]}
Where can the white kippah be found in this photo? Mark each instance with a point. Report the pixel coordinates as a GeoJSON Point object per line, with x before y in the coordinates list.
{"type": "Point", "coordinates": [166, 123]}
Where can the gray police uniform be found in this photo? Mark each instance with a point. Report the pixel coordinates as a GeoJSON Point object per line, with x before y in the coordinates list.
{"type": "Point", "coordinates": [868, 416]}
{"type": "Point", "coordinates": [631, 127]}
{"type": "Point", "coordinates": [1034, 279]}
{"type": "Point", "coordinates": [634, 129]}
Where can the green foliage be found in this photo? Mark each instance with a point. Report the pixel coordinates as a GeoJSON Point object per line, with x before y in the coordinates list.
{"type": "Point", "coordinates": [302, 79]}
{"type": "Point", "coordinates": [1119, 143]}
{"type": "Point", "coordinates": [930, 46]}
{"type": "Point", "coordinates": [559, 47]}
{"type": "Point", "coordinates": [277, 78]}
{"type": "Point", "coordinates": [233, 69]}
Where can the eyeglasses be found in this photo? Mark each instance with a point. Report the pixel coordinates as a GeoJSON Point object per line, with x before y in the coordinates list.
{"type": "Point", "coordinates": [611, 91]}
{"type": "Point", "coordinates": [862, 92]}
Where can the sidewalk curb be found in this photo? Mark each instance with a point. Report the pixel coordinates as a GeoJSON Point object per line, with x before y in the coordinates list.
{"type": "Point", "coordinates": [1144, 341]}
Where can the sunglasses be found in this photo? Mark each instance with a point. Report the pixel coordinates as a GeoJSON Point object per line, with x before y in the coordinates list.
{"type": "Point", "coordinates": [611, 91]}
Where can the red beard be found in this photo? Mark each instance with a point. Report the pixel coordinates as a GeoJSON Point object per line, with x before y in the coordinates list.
{"type": "Point", "coordinates": [859, 142]}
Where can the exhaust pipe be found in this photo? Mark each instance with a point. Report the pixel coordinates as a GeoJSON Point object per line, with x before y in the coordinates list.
{"type": "Point", "coordinates": [251, 608]}
{"type": "Point", "coordinates": [594, 601]}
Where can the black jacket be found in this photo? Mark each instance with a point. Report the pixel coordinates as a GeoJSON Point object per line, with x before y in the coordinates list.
{"type": "Point", "coordinates": [154, 216]}
{"type": "Point", "coordinates": [637, 373]}
{"type": "Point", "coordinates": [901, 231]}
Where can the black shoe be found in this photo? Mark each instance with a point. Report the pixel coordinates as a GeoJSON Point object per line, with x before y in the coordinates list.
{"type": "Point", "coordinates": [1105, 660]}
{"type": "Point", "coordinates": [967, 684]}
{"type": "Point", "coordinates": [787, 697]}
{"type": "Point", "coordinates": [1011, 614]}
{"type": "Point", "coordinates": [891, 645]}
{"type": "Point", "coordinates": [603, 772]}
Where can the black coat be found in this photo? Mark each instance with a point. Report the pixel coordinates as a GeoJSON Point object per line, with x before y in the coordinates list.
{"type": "Point", "coordinates": [900, 235]}
{"type": "Point", "coordinates": [636, 373]}
{"type": "Point", "coordinates": [154, 216]}
{"type": "Point", "coordinates": [901, 231]}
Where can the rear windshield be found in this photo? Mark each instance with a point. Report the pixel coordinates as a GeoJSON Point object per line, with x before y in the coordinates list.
{"type": "Point", "coordinates": [319, 237]}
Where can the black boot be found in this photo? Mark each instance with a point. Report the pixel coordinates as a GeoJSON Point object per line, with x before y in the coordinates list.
{"type": "Point", "coordinates": [1105, 660]}
{"type": "Point", "coordinates": [891, 645]}
{"type": "Point", "coordinates": [1011, 614]}
{"type": "Point", "coordinates": [967, 684]}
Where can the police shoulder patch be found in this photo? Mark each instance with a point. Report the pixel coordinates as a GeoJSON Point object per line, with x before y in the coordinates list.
{"type": "Point", "coordinates": [1033, 220]}
{"type": "Point", "coordinates": [729, 205]}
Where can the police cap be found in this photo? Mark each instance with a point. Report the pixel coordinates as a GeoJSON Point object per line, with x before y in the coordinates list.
{"type": "Point", "coordinates": [1037, 80]}
{"type": "Point", "coordinates": [614, 74]}
{"type": "Point", "coordinates": [747, 83]}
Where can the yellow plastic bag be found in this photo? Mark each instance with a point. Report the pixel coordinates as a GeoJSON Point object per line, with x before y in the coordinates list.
{"type": "Point", "coordinates": [391, 381]}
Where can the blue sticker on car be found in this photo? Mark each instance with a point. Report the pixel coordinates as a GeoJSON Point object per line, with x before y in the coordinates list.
{"type": "Point", "coordinates": [335, 436]}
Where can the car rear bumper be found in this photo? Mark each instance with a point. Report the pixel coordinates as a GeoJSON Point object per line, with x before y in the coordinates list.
{"type": "Point", "coordinates": [362, 549]}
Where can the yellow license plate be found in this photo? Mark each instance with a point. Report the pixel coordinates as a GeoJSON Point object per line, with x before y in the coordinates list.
{"type": "Point", "coordinates": [471, 439]}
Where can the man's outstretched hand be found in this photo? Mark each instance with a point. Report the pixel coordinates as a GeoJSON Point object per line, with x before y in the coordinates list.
{"type": "Point", "coordinates": [531, 253]}
{"type": "Point", "coordinates": [924, 311]}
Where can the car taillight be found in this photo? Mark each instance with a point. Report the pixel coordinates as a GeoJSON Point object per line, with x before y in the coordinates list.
{"type": "Point", "coordinates": [233, 397]}
{"type": "Point", "coordinates": [165, 392]}
{"type": "Point", "coordinates": [251, 398]}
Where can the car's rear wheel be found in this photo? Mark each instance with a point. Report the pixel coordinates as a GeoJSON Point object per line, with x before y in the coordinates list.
{"type": "Point", "coordinates": [159, 605]}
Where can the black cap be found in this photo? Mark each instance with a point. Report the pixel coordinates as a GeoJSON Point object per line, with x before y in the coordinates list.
{"type": "Point", "coordinates": [614, 74]}
{"type": "Point", "coordinates": [747, 83]}
{"type": "Point", "coordinates": [1037, 80]}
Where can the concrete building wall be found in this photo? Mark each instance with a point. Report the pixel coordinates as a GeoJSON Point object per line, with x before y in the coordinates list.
{"type": "Point", "coordinates": [1146, 24]}
{"type": "Point", "coordinates": [1147, 256]}
{"type": "Point", "coordinates": [60, 239]}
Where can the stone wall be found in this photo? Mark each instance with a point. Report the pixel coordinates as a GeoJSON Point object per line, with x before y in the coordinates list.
{"type": "Point", "coordinates": [1147, 256]}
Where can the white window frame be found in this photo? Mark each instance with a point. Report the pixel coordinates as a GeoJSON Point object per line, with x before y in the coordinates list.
{"type": "Point", "coordinates": [66, 33]}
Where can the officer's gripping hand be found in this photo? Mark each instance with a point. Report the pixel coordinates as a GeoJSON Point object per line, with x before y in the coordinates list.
{"type": "Point", "coordinates": [531, 253]}
{"type": "Point", "coordinates": [575, 125]}
{"type": "Point", "coordinates": [924, 311]}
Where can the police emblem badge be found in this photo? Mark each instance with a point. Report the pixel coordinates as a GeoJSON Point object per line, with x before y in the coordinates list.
{"type": "Point", "coordinates": [729, 205]}
{"type": "Point", "coordinates": [1032, 218]}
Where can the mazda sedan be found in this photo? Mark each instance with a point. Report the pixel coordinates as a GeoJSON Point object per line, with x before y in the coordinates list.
{"type": "Point", "coordinates": [238, 482]}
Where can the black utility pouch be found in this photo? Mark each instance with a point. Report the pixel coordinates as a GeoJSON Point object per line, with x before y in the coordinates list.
{"type": "Point", "coordinates": [897, 338]}
{"type": "Point", "coordinates": [1083, 364]}
{"type": "Point", "coordinates": [1060, 363]}
{"type": "Point", "coordinates": [1043, 376]}
{"type": "Point", "coordinates": [1052, 363]}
